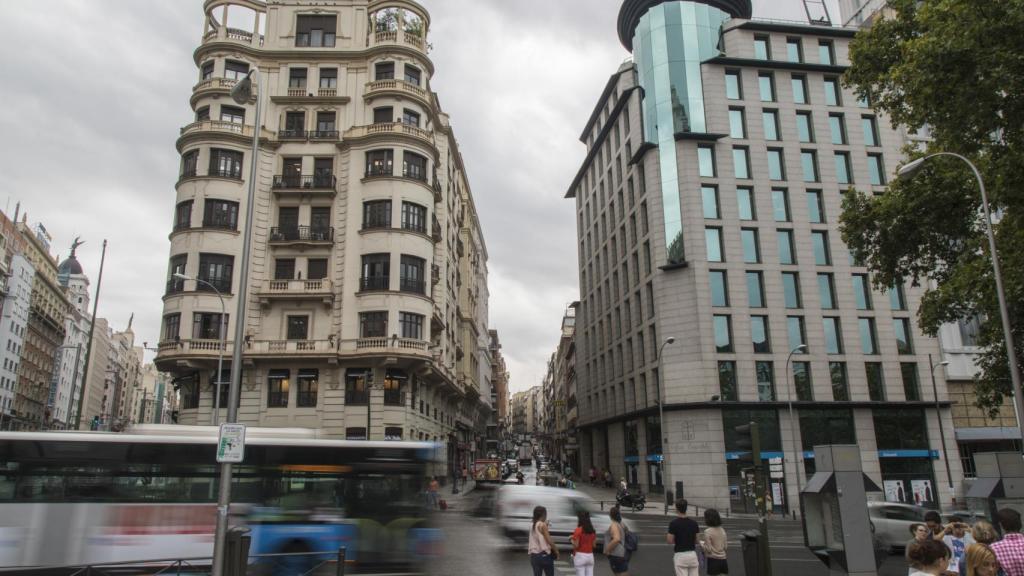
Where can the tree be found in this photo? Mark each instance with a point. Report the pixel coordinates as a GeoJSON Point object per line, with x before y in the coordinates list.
{"type": "Point", "coordinates": [956, 69]}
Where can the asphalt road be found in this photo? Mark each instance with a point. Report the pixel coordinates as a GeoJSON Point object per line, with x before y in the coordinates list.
{"type": "Point", "coordinates": [475, 546]}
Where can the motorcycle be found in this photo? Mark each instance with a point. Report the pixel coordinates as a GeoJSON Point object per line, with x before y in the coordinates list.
{"type": "Point", "coordinates": [634, 501]}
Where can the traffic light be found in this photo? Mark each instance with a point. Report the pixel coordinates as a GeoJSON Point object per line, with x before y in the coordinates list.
{"type": "Point", "coordinates": [748, 440]}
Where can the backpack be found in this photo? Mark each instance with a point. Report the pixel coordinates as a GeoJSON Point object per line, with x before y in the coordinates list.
{"type": "Point", "coordinates": [631, 541]}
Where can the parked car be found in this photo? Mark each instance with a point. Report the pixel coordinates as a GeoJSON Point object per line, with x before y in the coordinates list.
{"type": "Point", "coordinates": [892, 520]}
{"type": "Point", "coordinates": [515, 505]}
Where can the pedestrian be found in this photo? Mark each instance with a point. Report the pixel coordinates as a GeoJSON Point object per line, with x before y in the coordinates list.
{"type": "Point", "coordinates": [957, 540]}
{"type": "Point", "coordinates": [715, 543]}
{"type": "Point", "coordinates": [623, 487]}
{"type": "Point", "coordinates": [769, 506]}
{"type": "Point", "coordinates": [432, 490]}
{"type": "Point", "coordinates": [918, 533]}
{"type": "Point", "coordinates": [934, 523]}
{"type": "Point", "coordinates": [583, 539]}
{"type": "Point", "coordinates": [543, 552]}
{"type": "Point", "coordinates": [682, 535]}
{"type": "Point", "coordinates": [1010, 550]}
{"type": "Point", "coordinates": [928, 558]}
{"type": "Point", "coordinates": [614, 544]}
{"type": "Point", "coordinates": [981, 561]}
{"type": "Point", "coordinates": [984, 532]}
{"type": "Point", "coordinates": [593, 476]}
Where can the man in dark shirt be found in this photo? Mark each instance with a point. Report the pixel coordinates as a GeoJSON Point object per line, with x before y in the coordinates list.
{"type": "Point", "coordinates": [682, 534]}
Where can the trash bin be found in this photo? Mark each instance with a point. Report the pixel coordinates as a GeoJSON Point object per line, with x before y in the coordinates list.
{"type": "Point", "coordinates": [236, 551]}
{"type": "Point", "coordinates": [751, 545]}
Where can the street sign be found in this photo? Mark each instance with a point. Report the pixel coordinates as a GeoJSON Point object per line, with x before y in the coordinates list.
{"type": "Point", "coordinates": [231, 443]}
{"type": "Point", "coordinates": [775, 467]}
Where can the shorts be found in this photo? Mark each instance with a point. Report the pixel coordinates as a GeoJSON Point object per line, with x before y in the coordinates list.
{"type": "Point", "coordinates": [717, 566]}
{"type": "Point", "coordinates": [618, 564]}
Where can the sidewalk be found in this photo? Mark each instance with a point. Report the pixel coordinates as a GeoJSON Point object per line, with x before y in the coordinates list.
{"type": "Point", "coordinates": [455, 500]}
{"type": "Point", "coordinates": [655, 503]}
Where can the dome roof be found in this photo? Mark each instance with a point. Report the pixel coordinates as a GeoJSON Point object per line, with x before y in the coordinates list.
{"type": "Point", "coordinates": [71, 266]}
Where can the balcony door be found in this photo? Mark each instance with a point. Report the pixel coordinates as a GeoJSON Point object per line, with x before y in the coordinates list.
{"type": "Point", "coordinates": [320, 222]}
{"type": "Point", "coordinates": [292, 172]}
{"type": "Point", "coordinates": [288, 222]}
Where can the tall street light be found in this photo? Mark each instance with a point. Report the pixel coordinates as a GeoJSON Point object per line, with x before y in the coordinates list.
{"type": "Point", "coordinates": [905, 173]}
{"type": "Point", "coordinates": [223, 343]}
{"type": "Point", "coordinates": [792, 424]}
{"type": "Point", "coordinates": [665, 475]}
{"type": "Point", "coordinates": [242, 93]}
{"type": "Point", "coordinates": [942, 433]}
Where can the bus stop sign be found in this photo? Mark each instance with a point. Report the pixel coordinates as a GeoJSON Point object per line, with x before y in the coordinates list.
{"type": "Point", "coordinates": [231, 443]}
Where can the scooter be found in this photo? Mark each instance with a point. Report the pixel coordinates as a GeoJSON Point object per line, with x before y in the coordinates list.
{"type": "Point", "coordinates": [635, 501]}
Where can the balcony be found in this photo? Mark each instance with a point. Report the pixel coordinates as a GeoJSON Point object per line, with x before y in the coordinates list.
{"type": "Point", "coordinates": [211, 87]}
{"type": "Point", "coordinates": [327, 92]}
{"type": "Point", "coordinates": [220, 126]}
{"type": "Point", "coordinates": [390, 129]}
{"type": "Point", "coordinates": [397, 38]}
{"type": "Point", "coordinates": [305, 183]}
{"type": "Point", "coordinates": [412, 285]}
{"type": "Point", "coordinates": [394, 398]}
{"type": "Point", "coordinates": [292, 135]}
{"type": "Point", "coordinates": [386, 345]}
{"type": "Point", "coordinates": [356, 397]}
{"type": "Point", "coordinates": [296, 290]}
{"type": "Point", "coordinates": [290, 347]}
{"type": "Point", "coordinates": [222, 285]}
{"type": "Point", "coordinates": [302, 235]}
{"type": "Point", "coordinates": [182, 350]}
{"type": "Point", "coordinates": [324, 135]}
{"type": "Point", "coordinates": [393, 87]}
{"type": "Point", "coordinates": [175, 287]}
{"type": "Point", "coordinates": [374, 283]}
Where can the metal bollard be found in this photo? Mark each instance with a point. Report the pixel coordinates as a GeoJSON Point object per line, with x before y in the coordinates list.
{"type": "Point", "coordinates": [341, 562]}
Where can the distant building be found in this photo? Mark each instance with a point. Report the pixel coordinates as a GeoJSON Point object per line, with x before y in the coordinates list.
{"type": "Point", "coordinates": [13, 329]}
{"type": "Point", "coordinates": [69, 371]}
{"type": "Point", "coordinates": [94, 414]}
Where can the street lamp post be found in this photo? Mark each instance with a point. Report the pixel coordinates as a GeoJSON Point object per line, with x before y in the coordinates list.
{"type": "Point", "coordinates": [792, 425]}
{"type": "Point", "coordinates": [241, 94]}
{"type": "Point", "coordinates": [666, 476]}
{"type": "Point", "coordinates": [942, 433]}
{"type": "Point", "coordinates": [907, 172]}
{"type": "Point", "coordinates": [223, 343]}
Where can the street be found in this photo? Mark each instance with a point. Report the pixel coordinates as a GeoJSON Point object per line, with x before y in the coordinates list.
{"type": "Point", "coordinates": [475, 546]}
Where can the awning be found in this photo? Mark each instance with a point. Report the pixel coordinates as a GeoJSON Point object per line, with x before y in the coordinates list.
{"type": "Point", "coordinates": [986, 488]}
{"type": "Point", "coordinates": [987, 433]}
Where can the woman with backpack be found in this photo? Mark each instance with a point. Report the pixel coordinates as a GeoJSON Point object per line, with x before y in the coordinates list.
{"type": "Point", "coordinates": [615, 544]}
{"type": "Point", "coordinates": [543, 552]}
{"type": "Point", "coordinates": [583, 545]}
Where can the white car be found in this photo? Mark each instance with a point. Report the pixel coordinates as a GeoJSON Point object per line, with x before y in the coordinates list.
{"type": "Point", "coordinates": [515, 506]}
{"type": "Point", "coordinates": [892, 522]}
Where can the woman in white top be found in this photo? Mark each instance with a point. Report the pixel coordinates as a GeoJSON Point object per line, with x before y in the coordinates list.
{"type": "Point", "coordinates": [543, 552]}
{"type": "Point", "coordinates": [928, 558]}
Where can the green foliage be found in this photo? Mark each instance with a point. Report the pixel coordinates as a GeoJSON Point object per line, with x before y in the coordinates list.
{"type": "Point", "coordinates": [956, 68]}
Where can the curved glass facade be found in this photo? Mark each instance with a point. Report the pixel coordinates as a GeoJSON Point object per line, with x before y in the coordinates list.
{"type": "Point", "coordinates": [669, 44]}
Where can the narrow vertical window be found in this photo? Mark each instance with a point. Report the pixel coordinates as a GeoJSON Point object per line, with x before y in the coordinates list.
{"type": "Point", "coordinates": [780, 204]}
{"type": "Point", "coordinates": [719, 288]}
{"type": "Point", "coordinates": [770, 120]}
{"type": "Point", "coordinates": [733, 90]}
{"type": "Point", "coordinates": [709, 199]}
{"type": "Point", "coordinates": [741, 163]}
{"type": "Point", "coordinates": [706, 161]}
{"type": "Point", "coordinates": [833, 335]}
{"type": "Point", "coordinates": [794, 50]}
{"type": "Point", "coordinates": [861, 292]}
{"type": "Point", "coordinates": [723, 334]}
{"type": "Point", "coordinates": [755, 289]}
{"type": "Point", "coordinates": [870, 130]}
{"type": "Point", "coordinates": [804, 127]}
{"type": "Point", "coordinates": [815, 208]}
{"type": "Point", "coordinates": [713, 238]}
{"type": "Point", "coordinates": [843, 168]}
{"type": "Point", "coordinates": [751, 246]}
{"type": "Point", "coordinates": [799, 84]}
{"type": "Point", "coordinates": [832, 92]}
{"type": "Point", "coordinates": [737, 126]}
{"type": "Point", "coordinates": [766, 87]}
{"type": "Point", "coordinates": [876, 170]}
{"type": "Point", "coordinates": [791, 290]}
{"type": "Point", "coordinates": [809, 165]}
{"type": "Point", "coordinates": [762, 48]}
{"type": "Point", "coordinates": [827, 291]}
{"type": "Point", "coordinates": [776, 169]}
{"type": "Point", "coordinates": [745, 202]}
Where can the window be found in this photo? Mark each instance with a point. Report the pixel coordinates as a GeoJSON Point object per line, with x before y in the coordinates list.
{"type": "Point", "coordinates": [719, 288]}
{"type": "Point", "coordinates": [383, 115]}
{"type": "Point", "coordinates": [315, 31]}
{"type": "Point", "coordinates": [794, 50]}
{"type": "Point", "coordinates": [727, 385]}
{"type": "Point", "coordinates": [759, 335]}
{"type": "Point", "coordinates": [206, 72]}
{"type": "Point", "coordinates": [776, 169]}
{"type": "Point", "coordinates": [308, 381]}
{"type": "Point", "coordinates": [356, 383]}
{"type": "Point", "coordinates": [791, 289]}
{"type": "Point", "coordinates": [840, 388]}
{"type": "Point", "coordinates": [234, 70]}
{"type": "Point", "coordinates": [294, 125]}
{"type": "Point", "coordinates": [809, 164]}
{"type": "Point", "coordinates": [804, 127]}
{"type": "Point", "coordinates": [833, 336]}
{"type": "Point", "coordinates": [868, 339]}
{"type": "Point", "coordinates": [376, 272]}
{"type": "Point", "coordinates": [709, 199]}
{"type": "Point", "coordinates": [837, 126]}
{"type": "Point", "coordinates": [741, 163]}
{"type": "Point", "coordinates": [414, 217]}
{"type": "Point", "coordinates": [316, 268]}
{"type": "Point", "coordinates": [412, 74]}
{"type": "Point", "coordinates": [393, 433]}
{"type": "Point", "coordinates": [766, 86]}
{"type": "Point", "coordinates": [380, 162]}
{"type": "Point", "coordinates": [733, 89]}
{"type": "Point", "coordinates": [176, 266]}
{"type": "Point", "coordinates": [876, 381]}
{"type": "Point", "coordinates": [326, 125]}
{"type": "Point", "coordinates": [206, 325]}
{"type": "Point", "coordinates": [414, 166]}
{"type": "Point", "coordinates": [225, 163]}
{"type": "Point", "coordinates": [751, 246]}
{"type": "Point", "coordinates": [277, 388]}
{"type": "Point", "coordinates": [713, 239]}
{"type": "Point", "coordinates": [762, 48]}
{"type": "Point", "coordinates": [832, 93]}
{"type": "Point", "coordinates": [802, 381]}
{"type": "Point", "coordinates": [770, 121]}
{"type": "Point", "coordinates": [298, 327]}
{"type": "Point", "coordinates": [377, 214]}
{"type": "Point", "coordinates": [297, 78]}
{"type": "Point", "coordinates": [412, 278]}
{"type": "Point", "coordinates": [765, 381]}
{"type": "Point", "coordinates": [706, 161]}
{"type": "Point", "coordinates": [870, 130]}
{"type": "Point", "coordinates": [819, 243]}
{"type": "Point", "coordinates": [373, 324]}
{"type": "Point", "coordinates": [329, 78]}
{"type": "Point", "coordinates": [796, 332]}
{"type": "Point", "coordinates": [826, 52]}
{"type": "Point", "coordinates": [904, 343]}
{"type": "Point", "coordinates": [970, 330]}
{"type": "Point", "coordinates": [862, 291]}
{"type": "Point", "coordinates": [384, 71]}
{"type": "Point", "coordinates": [410, 117]}
{"type": "Point", "coordinates": [220, 214]}
{"type": "Point", "coordinates": [172, 326]}
{"type": "Point", "coordinates": [780, 205]}
{"type": "Point", "coordinates": [232, 114]}
{"type": "Point", "coordinates": [745, 201]}
{"type": "Point", "coordinates": [412, 325]}
{"type": "Point", "coordinates": [723, 334]}
{"type": "Point", "coordinates": [215, 269]}
{"type": "Point", "coordinates": [202, 113]}
{"type": "Point", "coordinates": [755, 290]}
{"type": "Point", "coordinates": [183, 215]}
{"type": "Point", "coordinates": [897, 300]}
{"type": "Point", "coordinates": [843, 168]}
{"type": "Point", "coordinates": [815, 207]}
{"type": "Point", "coordinates": [787, 254]}
{"type": "Point", "coordinates": [911, 384]}
{"type": "Point", "coordinates": [737, 124]}
{"type": "Point", "coordinates": [799, 84]}
{"type": "Point", "coordinates": [875, 170]}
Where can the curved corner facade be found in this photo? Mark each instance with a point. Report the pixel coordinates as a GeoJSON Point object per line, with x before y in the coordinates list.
{"type": "Point", "coordinates": [354, 321]}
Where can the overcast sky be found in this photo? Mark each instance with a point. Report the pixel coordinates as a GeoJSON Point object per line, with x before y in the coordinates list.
{"type": "Point", "coordinates": [95, 91]}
